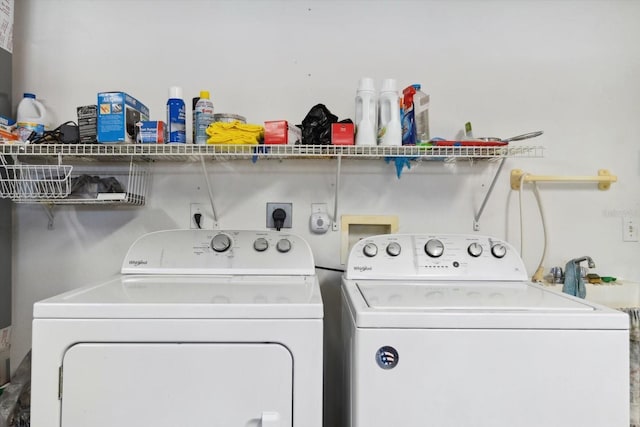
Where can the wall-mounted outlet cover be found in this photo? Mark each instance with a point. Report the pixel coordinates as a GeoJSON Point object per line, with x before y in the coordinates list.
{"type": "Point", "coordinates": [288, 208]}
{"type": "Point", "coordinates": [319, 222]}
{"type": "Point", "coordinates": [630, 229]}
{"type": "Point", "coordinates": [356, 227]}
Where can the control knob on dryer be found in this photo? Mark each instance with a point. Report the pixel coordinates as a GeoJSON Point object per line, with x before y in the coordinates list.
{"type": "Point", "coordinates": [283, 245]}
{"type": "Point", "coordinates": [260, 244]}
{"type": "Point", "coordinates": [393, 249]}
{"type": "Point", "coordinates": [370, 250]}
{"type": "Point", "coordinates": [499, 250]}
{"type": "Point", "coordinates": [434, 248]}
{"type": "Point", "coordinates": [220, 242]}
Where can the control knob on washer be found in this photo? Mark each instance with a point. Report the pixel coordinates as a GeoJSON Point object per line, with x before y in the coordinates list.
{"type": "Point", "coordinates": [260, 244]}
{"type": "Point", "coordinates": [475, 250]}
{"type": "Point", "coordinates": [499, 250]}
{"type": "Point", "coordinates": [434, 248]}
{"type": "Point", "coordinates": [370, 249]}
{"type": "Point", "coordinates": [283, 245]}
{"type": "Point", "coordinates": [220, 242]}
{"type": "Point", "coordinates": [393, 249]}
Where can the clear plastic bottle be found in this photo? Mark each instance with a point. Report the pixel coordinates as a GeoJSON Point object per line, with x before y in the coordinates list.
{"type": "Point", "coordinates": [366, 113]}
{"type": "Point", "coordinates": [176, 114]}
{"type": "Point", "coordinates": [389, 126]}
{"type": "Point", "coordinates": [203, 117]}
{"type": "Point", "coordinates": [32, 116]}
{"type": "Point", "coordinates": [421, 114]}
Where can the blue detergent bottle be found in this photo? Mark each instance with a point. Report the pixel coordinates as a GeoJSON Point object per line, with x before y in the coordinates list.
{"type": "Point", "coordinates": [176, 124]}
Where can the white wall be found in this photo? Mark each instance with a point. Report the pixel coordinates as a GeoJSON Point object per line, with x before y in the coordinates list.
{"type": "Point", "coordinates": [569, 68]}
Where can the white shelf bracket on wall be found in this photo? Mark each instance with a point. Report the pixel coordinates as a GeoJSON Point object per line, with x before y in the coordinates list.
{"type": "Point", "coordinates": [210, 192]}
{"type": "Point", "coordinates": [48, 209]}
{"type": "Point", "coordinates": [334, 226]}
{"type": "Point", "coordinates": [476, 224]}
{"type": "Point", "coordinates": [604, 179]}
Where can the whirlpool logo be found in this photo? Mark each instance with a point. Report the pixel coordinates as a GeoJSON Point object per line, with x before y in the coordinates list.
{"type": "Point", "coordinates": [138, 262]}
{"type": "Point", "coordinates": [387, 357]}
{"type": "Point", "coordinates": [362, 268]}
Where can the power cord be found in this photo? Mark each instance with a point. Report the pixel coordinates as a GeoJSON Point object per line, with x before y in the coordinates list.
{"type": "Point", "coordinates": [279, 215]}
{"type": "Point", "coordinates": [538, 276]}
{"type": "Point", "coordinates": [66, 133]}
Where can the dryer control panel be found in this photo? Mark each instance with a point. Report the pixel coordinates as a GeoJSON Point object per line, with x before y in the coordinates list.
{"type": "Point", "coordinates": [235, 252]}
{"type": "Point", "coordinates": [434, 257]}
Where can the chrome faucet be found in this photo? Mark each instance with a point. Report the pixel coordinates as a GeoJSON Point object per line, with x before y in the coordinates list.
{"type": "Point", "coordinates": [573, 283]}
{"type": "Point", "coordinates": [590, 262]}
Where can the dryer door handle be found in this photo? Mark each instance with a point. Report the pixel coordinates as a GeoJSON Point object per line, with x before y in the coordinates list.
{"type": "Point", "coordinates": [270, 419]}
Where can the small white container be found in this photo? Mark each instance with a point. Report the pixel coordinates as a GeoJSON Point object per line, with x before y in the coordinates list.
{"type": "Point", "coordinates": [32, 116]}
{"type": "Point", "coordinates": [389, 126]}
{"type": "Point", "coordinates": [366, 113]}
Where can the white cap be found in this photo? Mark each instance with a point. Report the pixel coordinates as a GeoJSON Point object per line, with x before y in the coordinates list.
{"type": "Point", "coordinates": [389, 85]}
{"type": "Point", "coordinates": [175, 92]}
{"type": "Point", "coordinates": [366, 83]}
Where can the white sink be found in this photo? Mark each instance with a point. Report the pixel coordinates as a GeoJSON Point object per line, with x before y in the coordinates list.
{"type": "Point", "coordinates": [618, 294]}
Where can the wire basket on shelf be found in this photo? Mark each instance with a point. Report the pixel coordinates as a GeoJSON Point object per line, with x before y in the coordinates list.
{"type": "Point", "coordinates": [22, 181]}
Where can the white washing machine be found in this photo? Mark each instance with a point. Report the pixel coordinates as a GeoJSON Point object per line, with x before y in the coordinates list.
{"type": "Point", "coordinates": [202, 328]}
{"type": "Point", "coordinates": [447, 331]}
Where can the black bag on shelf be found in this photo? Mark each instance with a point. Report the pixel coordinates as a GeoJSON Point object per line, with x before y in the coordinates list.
{"type": "Point", "coordinates": [316, 126]}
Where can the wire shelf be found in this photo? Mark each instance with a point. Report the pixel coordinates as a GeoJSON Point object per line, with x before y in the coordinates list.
{"type": "Point", "coordinates": [192, 152]}
{"type": "Point", "coordinates": [62, 184]}
{"type": "Point", "coordinates": [22, 182]}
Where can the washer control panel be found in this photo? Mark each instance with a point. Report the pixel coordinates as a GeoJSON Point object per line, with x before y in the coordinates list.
{"type": "Point", "coordinates": [437, 257]}
{"type": "Point", "coordinates": [219, 252]}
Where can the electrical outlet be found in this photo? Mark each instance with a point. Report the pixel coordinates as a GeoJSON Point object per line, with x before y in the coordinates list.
{"type": "Point", "coordinates": [196, 208]}
{"type": "Point", "coordinates": [630, 229]}
{"type": "Point", "coordinates": [287, 207]}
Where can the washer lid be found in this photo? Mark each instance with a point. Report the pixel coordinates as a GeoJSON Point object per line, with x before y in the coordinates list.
{"type": "Point", "coordinates": [190, 297]}
{"type": "Point", "coordinates": [494, 296]}
{"type": "Point", "coordinates": [473, 305]}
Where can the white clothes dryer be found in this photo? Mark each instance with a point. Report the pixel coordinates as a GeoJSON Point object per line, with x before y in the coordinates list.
{"type": "Point", "coordinates": [202, 328]}
{"type": "Point", "coordinates": [447, 331]}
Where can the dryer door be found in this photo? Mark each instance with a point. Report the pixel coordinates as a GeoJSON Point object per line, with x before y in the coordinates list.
{"type": "Point", "coordinates": [172, 384]}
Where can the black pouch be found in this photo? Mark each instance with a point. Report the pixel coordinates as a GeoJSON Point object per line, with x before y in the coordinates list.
{"type": "Point", "coordinates": [316, 126]}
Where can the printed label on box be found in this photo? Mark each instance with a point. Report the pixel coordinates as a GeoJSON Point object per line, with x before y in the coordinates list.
{"type": "Point", "coordinates": [118, 114]}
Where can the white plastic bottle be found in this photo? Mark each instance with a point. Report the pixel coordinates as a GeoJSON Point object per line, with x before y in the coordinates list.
{"type": "Point", "coordinates": [203, 114]}
{"type": "Point", "coordinates": [366, 113]}
{"type": "Point", "coordinates": [421, 114]}
{"type": "Point", "coordinates": [389, 126]}
{"type": "Point", "coordinates": [32, 116]}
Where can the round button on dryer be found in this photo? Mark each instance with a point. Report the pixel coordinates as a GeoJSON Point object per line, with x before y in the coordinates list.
{"type": "Point", "coordinates": [283, 245]}
{"type": "Point", "coordinates": [393, 249]}
{"type": "Point", "coordinates": [434, 248]}
{"type": "Point", "coordinates": [370, 249]}
{"type": "Point", "coordinates": [475, 250]}
{"type": "Point", "coordinates": [220, 242]}
{"type": "Point", "coordinates": [260, 244]}
{"type": "Point", "coordinates": [499, 250]}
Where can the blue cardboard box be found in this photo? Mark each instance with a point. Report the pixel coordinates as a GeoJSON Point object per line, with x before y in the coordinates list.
{"type": "Point", "coordinates": [118, 114]}
{"type": "Point", "coordinates": [150, 132]}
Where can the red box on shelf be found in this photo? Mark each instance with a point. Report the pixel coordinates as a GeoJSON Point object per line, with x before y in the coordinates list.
{"type": "Point", "coordinates": [276, 132]}
{"type": "Point", "coordinates": [342, 133]}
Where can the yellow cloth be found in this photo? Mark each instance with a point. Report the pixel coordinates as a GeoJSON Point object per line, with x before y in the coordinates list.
{"type": "Point", "coordinates": [234, 133]}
